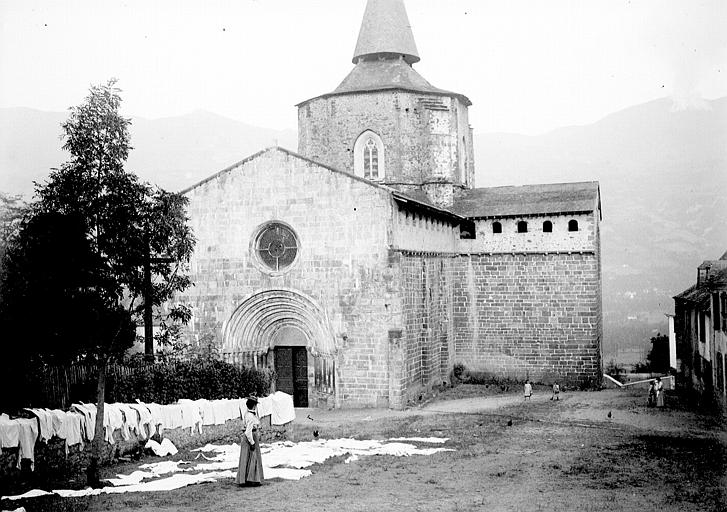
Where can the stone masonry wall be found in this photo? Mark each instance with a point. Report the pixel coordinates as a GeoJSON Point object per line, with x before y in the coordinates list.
{"type": "Point", "coordinates": [428, 337]}
{"type": "Point", "coordinates": [343, 226]}
{"type": "Point", "coordinates": [535, 240]}
{"type": "Point", "coordinates": [531, 316]}
{"type": "Point", "coordinates": [426, 137]}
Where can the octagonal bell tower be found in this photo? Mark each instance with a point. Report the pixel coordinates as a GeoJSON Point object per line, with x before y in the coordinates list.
{"type": "Point", "coordinates": [385, 122]}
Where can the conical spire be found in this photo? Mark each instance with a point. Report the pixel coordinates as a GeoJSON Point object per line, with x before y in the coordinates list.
{"type": "Point", "coordinates": [385, 32]}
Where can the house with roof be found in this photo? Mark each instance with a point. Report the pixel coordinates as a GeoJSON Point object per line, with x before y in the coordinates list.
{"type": "Point", "coordinates": [365, 265]}
{"type": "Point", "coordinates": [700, 324]}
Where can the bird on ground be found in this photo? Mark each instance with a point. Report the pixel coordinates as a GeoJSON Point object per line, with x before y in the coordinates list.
{"type": "Point", "coordinates": [315, 434]}
{"type": "Point", "coordinates": [509, 423]}
{"type": "Point", "coordinates": [609, 415]}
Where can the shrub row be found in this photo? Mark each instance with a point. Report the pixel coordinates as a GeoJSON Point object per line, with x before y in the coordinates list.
{"type": "Point", "coordinates": [161, 382]}
{"type": "Point", "coordinates": [164, 383]}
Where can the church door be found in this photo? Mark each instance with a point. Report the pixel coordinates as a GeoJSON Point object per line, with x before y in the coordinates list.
{"type": "Point", "coordinates": [291, 366]}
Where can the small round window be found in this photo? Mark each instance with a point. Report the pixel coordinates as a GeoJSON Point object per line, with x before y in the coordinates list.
{"type": "Point", "coordinates": [276, 246]}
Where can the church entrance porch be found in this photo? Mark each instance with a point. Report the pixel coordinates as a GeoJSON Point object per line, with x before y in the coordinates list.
{"type": "Point", "coordinates": [292, 332]}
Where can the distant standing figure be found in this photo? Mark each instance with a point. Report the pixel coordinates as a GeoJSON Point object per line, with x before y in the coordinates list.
{"type": "Point", "coordinates": [250, 470]}
{"type": "Point", "coordinates": [528, 390]}
{"type": "Point", "coordinates": [556, 392]}
{"type": "Point", "coordinates": [652, 394]}
{"type": "Point", "coordinates": [659, 392]}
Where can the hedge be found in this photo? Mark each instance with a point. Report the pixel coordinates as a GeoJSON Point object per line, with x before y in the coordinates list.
{"type": "Point", "coordinates": [161, 382]}
{"type": "Point", "coordinates": [165, 383]}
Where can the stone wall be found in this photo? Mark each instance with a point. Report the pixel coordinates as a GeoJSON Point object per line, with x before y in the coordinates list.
{"type": "Point", "coordinates": [343, 228]}
{"type": "Point", "coordinates": [428, 337]}
{"type": "Point", "coordinates": [531, 316]}
{"type": "Point", "coordinates": [419, 231]}
{"type": "Point", "coordinates": [426, 137]}
{"type": "Point", "coordinates": [535, 240]}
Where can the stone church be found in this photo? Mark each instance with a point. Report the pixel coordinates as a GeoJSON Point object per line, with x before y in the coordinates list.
{"type": "Point", "coordinates": [367, 264]}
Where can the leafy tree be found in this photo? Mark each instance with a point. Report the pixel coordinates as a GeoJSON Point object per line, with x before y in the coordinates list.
{"type": "Point", "coordinates": [92, 245]}
{"type": "Point", "coordinates": [12, 210]}
{"type": "Point", "coordinates": [658, 357]}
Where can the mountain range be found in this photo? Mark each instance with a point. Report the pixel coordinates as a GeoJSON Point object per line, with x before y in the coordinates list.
{"type": "Point", "coordinates": [663, 176]}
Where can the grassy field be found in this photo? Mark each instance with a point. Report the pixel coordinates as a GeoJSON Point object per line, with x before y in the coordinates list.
{"type": "Point", "coordinates": [559, 456]}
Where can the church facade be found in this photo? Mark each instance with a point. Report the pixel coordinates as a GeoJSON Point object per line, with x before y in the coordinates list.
{"type": "Point", "coordinates": [365, 265]}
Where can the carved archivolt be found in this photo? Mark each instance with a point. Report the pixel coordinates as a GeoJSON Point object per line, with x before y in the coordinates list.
{"type": "Point", "coordinates": [252, 326]}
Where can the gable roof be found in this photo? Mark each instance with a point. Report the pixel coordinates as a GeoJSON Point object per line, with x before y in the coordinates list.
{"type": "Point", "coordinates": [515, 201]}
{"type": "Point", "coordinates": [696, 294]}
{"type": "Point", "coordinates": [415, 198]}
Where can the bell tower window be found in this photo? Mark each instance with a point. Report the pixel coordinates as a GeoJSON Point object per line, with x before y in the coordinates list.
{"type": "Point", "coordinates": [368, 156]}
{"type": "Point", "coordinates": [371, 160]}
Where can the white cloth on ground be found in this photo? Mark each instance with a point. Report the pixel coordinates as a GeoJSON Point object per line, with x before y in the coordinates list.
{"type": "Point", "coordinates": [166, 447]}
{"type": "Point", "coordinates": [283, 410]}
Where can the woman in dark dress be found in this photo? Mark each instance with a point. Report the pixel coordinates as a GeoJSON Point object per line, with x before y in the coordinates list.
{"type": "Point", "coordinates": [250, 470]}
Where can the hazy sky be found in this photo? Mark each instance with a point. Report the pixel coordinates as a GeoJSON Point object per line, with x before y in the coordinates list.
{"type": "Point", "coordinates": [528, 66]}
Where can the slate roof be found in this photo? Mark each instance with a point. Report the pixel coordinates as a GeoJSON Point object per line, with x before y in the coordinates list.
{"type": "Point", "coordinates": [416, 197]}
{"type": "Point", "coordinates": [385, 29]}
{"type": "Point", "coordinates": [522, 200]}
{"type": "Point", "coordinates": [382, 75]}
{"type": "Point", "coordinates": [696, 294]}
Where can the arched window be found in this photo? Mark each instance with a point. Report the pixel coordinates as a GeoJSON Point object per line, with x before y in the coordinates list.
{"type": "Point", "coordinates": [522, 227]}
{"type": "Point", "coordinates": [496, 227]}
{"type": "Point", "coordinates": [572, 225]}
{"type": "Point", "coordinates": [368, 156]}
{"type": "Point", "coordinates": [547, 227]}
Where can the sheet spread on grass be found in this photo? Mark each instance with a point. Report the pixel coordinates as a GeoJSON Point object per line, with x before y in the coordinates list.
{"type": "Point", "coordinates": [285, 460]}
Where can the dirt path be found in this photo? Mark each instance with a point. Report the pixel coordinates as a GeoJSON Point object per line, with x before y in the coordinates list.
{"type": "Point", "coordinates": [558, 456]}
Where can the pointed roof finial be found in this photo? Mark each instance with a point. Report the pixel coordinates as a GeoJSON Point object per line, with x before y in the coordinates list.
{"type": "Point", "coordinates": [386, 32]}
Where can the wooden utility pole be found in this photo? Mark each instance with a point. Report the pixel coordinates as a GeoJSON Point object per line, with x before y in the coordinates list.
{"type": "Point", "coordinates": [148, 300]}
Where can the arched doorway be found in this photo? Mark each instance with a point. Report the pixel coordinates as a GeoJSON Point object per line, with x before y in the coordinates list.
{"type": "Point", "coordinates": [290, 358]}
{"type": "Point", "coordinates": [292, 328]}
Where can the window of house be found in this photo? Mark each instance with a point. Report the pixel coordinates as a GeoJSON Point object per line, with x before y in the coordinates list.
{"type": "Point", "coordinates": [716, 312]}
{"type": "Point", "coordinates": [368, 156]}
{"type": "Point", "coordinates": [547, 227]}
{"type": "Point", "coordinates": [572, 225]}
{"type": "Point", "coordinates": [522, 227]}
{"type": "Point", "coordinates": [702, 327]}
{"type": "Point", "coordinates": [496, 227]}
{"type": "Point", "coordinates": [276, 246]}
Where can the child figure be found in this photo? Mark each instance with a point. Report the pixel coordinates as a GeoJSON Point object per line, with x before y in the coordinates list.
{"type": "Point", "coordinates": [528, 390]}
{"type": "Point", "coordinates": [556, 392]}
{"type": "Point", "coordinates": [652, 394]}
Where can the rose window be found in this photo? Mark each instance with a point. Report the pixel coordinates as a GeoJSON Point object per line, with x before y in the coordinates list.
{"type": "Point", "coordinates": [276, 246]}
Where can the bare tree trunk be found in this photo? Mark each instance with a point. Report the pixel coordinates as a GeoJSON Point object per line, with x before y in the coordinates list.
{"type": "Point", "coordinates": [98, 438]}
